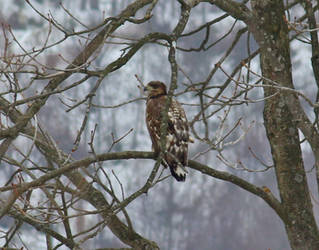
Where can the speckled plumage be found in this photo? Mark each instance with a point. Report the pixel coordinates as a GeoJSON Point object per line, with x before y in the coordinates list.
{"type": "Point", "coordinates": [177, 137]}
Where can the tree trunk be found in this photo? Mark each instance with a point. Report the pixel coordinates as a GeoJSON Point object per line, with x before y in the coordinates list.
{"type": "Point", "coordinates": [271, 32]}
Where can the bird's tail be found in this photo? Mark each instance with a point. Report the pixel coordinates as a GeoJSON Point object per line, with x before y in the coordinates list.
{"type": "Point", "coordinates": [178, 172]}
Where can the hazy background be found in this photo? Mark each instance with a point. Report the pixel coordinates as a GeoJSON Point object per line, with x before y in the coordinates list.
{"type": "Point", "coordinates": [202, 213]}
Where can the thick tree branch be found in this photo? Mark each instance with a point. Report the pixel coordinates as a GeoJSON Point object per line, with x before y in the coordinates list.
{"type": "Point", "coordinates": [267, 197]}
{"type": "Point", "coordinates": [236, 10]}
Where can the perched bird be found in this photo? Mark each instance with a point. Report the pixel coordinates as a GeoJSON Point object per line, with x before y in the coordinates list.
{"type": "Point", "coordinates": [177, 137]}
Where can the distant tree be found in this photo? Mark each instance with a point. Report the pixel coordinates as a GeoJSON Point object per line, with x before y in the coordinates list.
{"type": "Point", "coordinates": [48, 185]}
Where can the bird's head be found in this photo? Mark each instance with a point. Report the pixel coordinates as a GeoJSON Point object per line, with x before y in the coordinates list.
{"type": "Point", "coordinates": [155, 89]}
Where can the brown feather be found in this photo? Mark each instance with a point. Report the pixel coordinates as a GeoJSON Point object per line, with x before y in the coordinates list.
{"type": "Point", "coordinates": [177, 137]}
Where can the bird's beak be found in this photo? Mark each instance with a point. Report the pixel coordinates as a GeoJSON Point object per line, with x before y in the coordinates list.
{"type": "Point", "coordinates": [147, 88]}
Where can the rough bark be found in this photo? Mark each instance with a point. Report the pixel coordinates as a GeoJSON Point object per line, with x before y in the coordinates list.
{"type": "Point", "coordinates": [271, 32]}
